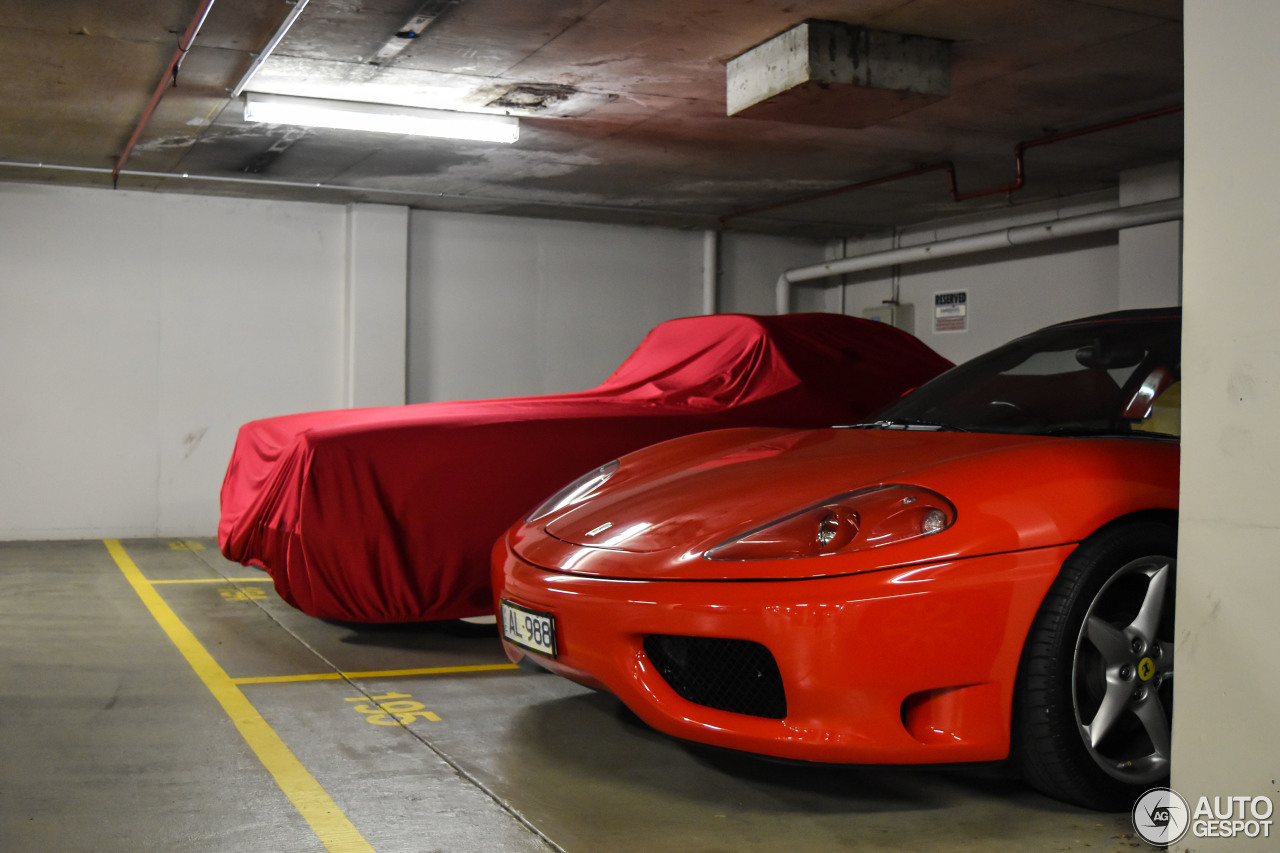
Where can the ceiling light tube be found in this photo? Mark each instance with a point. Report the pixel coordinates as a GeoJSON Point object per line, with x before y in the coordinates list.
{"type": "Point", "coordinates": [382, 118]}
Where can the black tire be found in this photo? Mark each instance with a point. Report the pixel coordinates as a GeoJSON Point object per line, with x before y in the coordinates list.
{"type": "Point", "coordinates": [1093, 703]}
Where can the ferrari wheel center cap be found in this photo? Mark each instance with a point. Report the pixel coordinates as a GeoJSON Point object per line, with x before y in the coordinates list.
{"type": "Point", "coordinates": [1146, 669]}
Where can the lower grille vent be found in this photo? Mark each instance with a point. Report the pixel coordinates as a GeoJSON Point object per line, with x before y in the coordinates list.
{"type": "Point", "coordinates": [729, 675]}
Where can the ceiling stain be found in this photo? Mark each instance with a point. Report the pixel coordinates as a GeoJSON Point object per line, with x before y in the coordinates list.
{"type": "Point", "coordinates": [622, 105]}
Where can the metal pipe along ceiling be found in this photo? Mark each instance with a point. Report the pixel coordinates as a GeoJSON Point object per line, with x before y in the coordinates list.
{"type": "Point", "coordinates": [953, 188]}
{"type": "Point", "coordinates": [1018, 235]}
{"type": "Point", "coordinates": [169, 77]}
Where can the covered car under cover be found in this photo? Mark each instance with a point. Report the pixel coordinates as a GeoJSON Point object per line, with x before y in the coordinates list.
{"type": "Point", "coordinates": [388, 514]}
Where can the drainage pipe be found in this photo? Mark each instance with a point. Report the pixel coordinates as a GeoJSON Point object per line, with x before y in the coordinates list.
{"type": "Point", "coordinates": [944, 165]}
{"type": "Point", "coordinates": [1020, 151]}
{"type": "Point", "coordinates": [1019, 163]}
{"type": "Point", "coordinates": [1018, 235]}
{"type": "Point", "coordinates": [170, 77]}
{"type": "Point", "coordinates": [365, 193]}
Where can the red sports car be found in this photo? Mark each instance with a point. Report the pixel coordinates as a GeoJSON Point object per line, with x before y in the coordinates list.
{"type": "Point", "coordinates": [389, 514]}
{"type": "Point", "coordinates": [985, 571]}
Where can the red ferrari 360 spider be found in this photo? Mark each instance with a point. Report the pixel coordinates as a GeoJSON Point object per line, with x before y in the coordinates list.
{"type": "Point", "coordinates": [388, 514]}
{"type": "Point", "coordinates": [985, 571]}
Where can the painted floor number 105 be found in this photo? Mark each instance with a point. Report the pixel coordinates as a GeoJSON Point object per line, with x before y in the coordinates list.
{"type": "Point", "coordinates": [529, 629]}
{"type": "Point", "coordinates": [392, 709]}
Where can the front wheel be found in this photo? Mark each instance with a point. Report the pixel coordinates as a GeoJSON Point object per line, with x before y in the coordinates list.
{"type": "Point", "coordinates": [1093, 705]}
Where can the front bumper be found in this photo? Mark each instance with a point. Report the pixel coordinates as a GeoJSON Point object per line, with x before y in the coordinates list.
{"type": "Point", "coordinates": [908, 665]}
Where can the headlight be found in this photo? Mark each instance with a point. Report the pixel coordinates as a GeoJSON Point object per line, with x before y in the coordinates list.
{"type": "Point", "coordinates": [854, 521]}
{"type": "Point", "coordinates": [579, 490]}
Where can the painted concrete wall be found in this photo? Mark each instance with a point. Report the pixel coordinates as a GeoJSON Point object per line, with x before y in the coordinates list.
{"type": "Point", "coordinates": [1017, 290]}
{"type": "Point", "coordinates": [1009, 292]}
{"type": "Point", "coordinates": [503, 306]}
{"type": "Point", "coordinates": [1227, 650]}
{"type": "Point", "coordinates": [750, 265]}
{"type": "Point", "coordinates": [137, 332]}
{"type": "Point", "coordinates": [1150, 273]}
{"type": "Point", "coordinates": [375, 294]}
{"type": "Point", "coordinates": [500, 306]}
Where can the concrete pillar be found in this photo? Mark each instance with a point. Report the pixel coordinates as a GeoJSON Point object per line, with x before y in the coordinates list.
{"type": "Point", "coordinates": [375, 310]}
{"type": "Point", "coordinates": [1227, 693]}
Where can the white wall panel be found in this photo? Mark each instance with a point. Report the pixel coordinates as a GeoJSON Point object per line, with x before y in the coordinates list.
{"type": "Point", "coordinates": [501, 306]}
{"type": "Point", "coordinates": [377, 281]}
{"type": "Point", "coordinates": [1017, 290]}
{"type": "Point", "coordinates": [1151, 255]}
{"type": "Point", "coordinates": [137, 332]}
{"type": "Point", "coordinates": [1014, 292]}
{"type": "Point", "coordinates": [750, 265]}
{"type": "Point", "coordinates": [1010, 292]}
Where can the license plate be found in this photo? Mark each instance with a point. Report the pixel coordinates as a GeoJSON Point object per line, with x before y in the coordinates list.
{"type": "Point", "coordinates": [529, 629]}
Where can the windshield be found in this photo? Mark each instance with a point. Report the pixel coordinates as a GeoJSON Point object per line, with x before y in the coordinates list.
{"type": "Point", "coordinates": [1116, 377]}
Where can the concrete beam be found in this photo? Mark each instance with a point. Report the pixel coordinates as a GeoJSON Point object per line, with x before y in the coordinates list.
{"type": "Point", "coordinates": [837, 75]}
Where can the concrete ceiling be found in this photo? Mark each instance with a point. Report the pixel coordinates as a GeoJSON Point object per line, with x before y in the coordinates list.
{"type": "Point", "coordinates": [622, 104]}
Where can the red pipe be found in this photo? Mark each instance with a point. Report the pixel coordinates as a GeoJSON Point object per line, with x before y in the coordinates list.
{"type": "Point", "coordinates": [170, 77]}
{"type": "Point", "coordinates": [897, 176]}
{"type": "Point", "coordinates": [1019, 153]}
{"type": "Point", "coordinates": [1020, 150]}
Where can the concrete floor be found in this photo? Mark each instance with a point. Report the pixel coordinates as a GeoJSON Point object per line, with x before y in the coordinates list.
{"type": "Point", "coordinates": [160, 698]}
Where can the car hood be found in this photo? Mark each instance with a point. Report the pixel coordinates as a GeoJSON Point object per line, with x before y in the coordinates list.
{"type": "Point", "coordinates": [668, 504]}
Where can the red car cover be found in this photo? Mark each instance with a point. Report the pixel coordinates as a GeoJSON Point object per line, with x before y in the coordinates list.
{"type": "Point", "coordinates": [389, 514]}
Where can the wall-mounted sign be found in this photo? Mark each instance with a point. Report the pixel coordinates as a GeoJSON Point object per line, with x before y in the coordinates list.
{"type": "Point", "coordinates": [951, 311]}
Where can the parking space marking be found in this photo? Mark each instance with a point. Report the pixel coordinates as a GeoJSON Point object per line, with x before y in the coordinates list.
{"type": "Point", "coordinates": [331, 826]}
{"type": "Point", "coordinates": [379, 673]}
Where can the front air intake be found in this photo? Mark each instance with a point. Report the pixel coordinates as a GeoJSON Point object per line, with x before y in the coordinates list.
{"type": "Point", "coordinates": [729, 675]}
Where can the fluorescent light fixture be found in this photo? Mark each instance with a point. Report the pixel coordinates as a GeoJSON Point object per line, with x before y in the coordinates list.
{"type": "Point", "coordinates": [383, 118]}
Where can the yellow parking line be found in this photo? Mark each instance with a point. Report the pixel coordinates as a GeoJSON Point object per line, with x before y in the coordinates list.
{"type": "Point", "coordinates": [384, 673]}
{"type": "Point", "coordinates": [330, 825]}
{"type": "Point", "coordinates": [214, 580]}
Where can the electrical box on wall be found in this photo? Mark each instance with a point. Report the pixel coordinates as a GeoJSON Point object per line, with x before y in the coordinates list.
{"type": "Point", "coordinates": [895, 314]}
